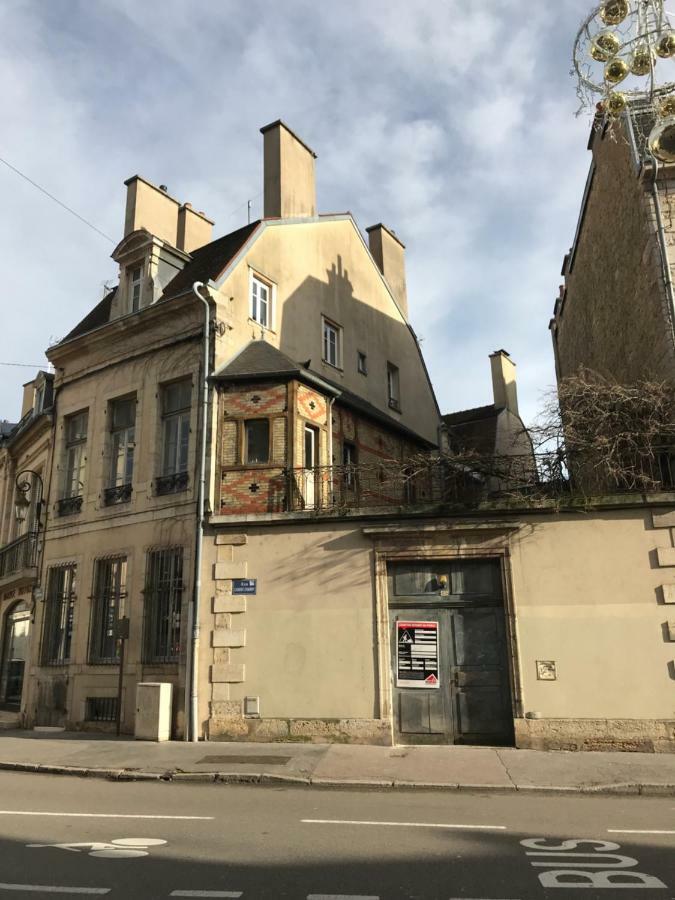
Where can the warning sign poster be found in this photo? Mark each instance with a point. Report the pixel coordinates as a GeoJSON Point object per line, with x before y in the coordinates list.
{"type": "Point", "coordinates": [417, 654]}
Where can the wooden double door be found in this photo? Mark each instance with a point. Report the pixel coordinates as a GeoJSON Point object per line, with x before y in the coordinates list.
{"type": "Point", "coordinates": [449, 650]}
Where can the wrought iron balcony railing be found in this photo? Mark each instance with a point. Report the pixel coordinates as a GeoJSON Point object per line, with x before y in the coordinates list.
{"type": "Point", "coordinates": [68, 506]}
{"type": "Point", "coordinates": [121, 493]}
{"type": "Point", "coordinates": [19, 555]}
{"type": "Point", "coordinates": [171, 484]}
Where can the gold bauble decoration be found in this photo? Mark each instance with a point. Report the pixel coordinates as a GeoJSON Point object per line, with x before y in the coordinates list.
{"type": "Point", "coordinates": [662, 140]}
{"type": "Point", "coordinates": [613, 12]}
{"type": "Point", "coordinates": [666, 46]}
{"type": "Point", "coordinates": [605, 46]}
{"type": "Point", "coordinates": [615, 104]}
{"type": "Point", "coordinates": [667, 107]}
{"type": "Point", "coordinates": [642, 60]}
{"type": "Point", "coordinates": [616, 71]}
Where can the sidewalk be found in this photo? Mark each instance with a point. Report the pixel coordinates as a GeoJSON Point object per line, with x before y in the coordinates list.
{"type": "Point", "coordinates": [339, 765]}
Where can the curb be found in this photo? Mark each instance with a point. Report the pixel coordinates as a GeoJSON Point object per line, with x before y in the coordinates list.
{"type": "Point", "coordinates": [646, 789]}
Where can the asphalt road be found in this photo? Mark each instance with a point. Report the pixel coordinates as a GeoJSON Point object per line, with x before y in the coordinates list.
{"type": "Point", "coordinates": [75, 838]}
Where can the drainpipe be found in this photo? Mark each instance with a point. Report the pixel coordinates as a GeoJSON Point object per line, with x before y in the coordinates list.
{"type": "Point", "coordinates": [192, 709]}
{"type": "Point", "coordinates": [667, 275]}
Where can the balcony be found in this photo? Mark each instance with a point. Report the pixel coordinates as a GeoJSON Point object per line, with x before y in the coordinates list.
{"type": "Point", "coordinates": [113, 496]}
{"type": "Point", "coordinates": [68, 506]}
{"type": "Point", "coordinates": [171, 484]}
{"type": "Point", "coordinates": [18, 560]}
{"type": "Point", "coordinates": [438, 483]}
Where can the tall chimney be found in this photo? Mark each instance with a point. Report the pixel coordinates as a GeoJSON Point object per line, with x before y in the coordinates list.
{"type": "Point", "coordinates": [290, 188]}
{"type": "Point", "coordinates": [504, 381]}
{"type": "Point", "coordinates": [194, 229]}
{"type": "Point", "coordinates": [389, 254]}
{"type": "Point", "coordinates": [152, 208]}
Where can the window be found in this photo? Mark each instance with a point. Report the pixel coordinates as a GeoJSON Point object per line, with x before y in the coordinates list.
{"type": "Point", "coordinates": [362, 363]}
{"type": "Point", "coordinates": [163, 601]}
{"type": "Point", "coordinates": [59, 612]}
{"type": "Point", "coordinates": [256, 441]}
{"type": "Point", "coordinates": [75, 461]}
{"type": "Point", "coordinates": [110, 578]}
{"type": "Point", "coordinates": [135, 288]}
{"type": "Point", "coordinates": [332, 351]}
{"type": "Point", "coordinates": [261, 302]}
{"type": "Point", "coordinates": [175, 400]}
{"type": "Point", "coordinates": [349, 457]}
{"type": "Point", "coordinates": [393, 389]}
{"type": "Point", "coordinates": [122, 444]}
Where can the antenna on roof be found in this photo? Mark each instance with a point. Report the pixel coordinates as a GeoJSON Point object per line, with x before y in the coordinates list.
{"type": "Point", "coordinates": [248, 204]}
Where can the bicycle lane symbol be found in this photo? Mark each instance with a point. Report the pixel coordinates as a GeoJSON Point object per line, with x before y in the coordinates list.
{"type": "Point", "coordinates": [118, 848]}
{"type": "Point", "coordinates": [586, 864]}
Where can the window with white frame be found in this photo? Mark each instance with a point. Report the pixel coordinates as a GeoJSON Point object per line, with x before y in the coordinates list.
{"type": "Point", "coordinates": [176, 401]}
{"type": "Point", "coordinates": [135, 288]}
{"type": "Point", "coordinates": [261, 305]}
{"type": "Point", "coordinates": [75, 459]}
{"type": "Point", "coordinates": [393, 386]}
{"type": "Point", "coordinates": [332, 344]}
{"type": "Point", "coordinates": [122, 441]}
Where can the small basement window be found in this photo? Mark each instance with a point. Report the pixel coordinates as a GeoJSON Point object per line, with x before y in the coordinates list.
{"type": "Point", "coordinates": [256, 441]}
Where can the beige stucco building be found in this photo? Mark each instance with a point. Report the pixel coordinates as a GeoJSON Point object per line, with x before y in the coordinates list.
{"type": "Point", "coordinates": [346, 581]}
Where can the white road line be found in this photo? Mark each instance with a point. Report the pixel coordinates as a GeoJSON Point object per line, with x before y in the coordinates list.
{"type": "Point", "coordinates": [636, 831]}
{"type": "Point", "coordinates": [19, 812]}
{"type": "Point", "coordinates": [206, 893]}
{"type": "Point", "coordinates": [52, 889]}
{"type": "Point", "coordinates": [403, 824]}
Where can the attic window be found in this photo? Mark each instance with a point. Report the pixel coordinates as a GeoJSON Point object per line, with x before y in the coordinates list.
{"type": "Point", "coordinates": [135, 288]}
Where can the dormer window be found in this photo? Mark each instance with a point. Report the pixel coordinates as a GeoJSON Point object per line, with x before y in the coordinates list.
{"type": "Point", "coordinates": [135, 288]}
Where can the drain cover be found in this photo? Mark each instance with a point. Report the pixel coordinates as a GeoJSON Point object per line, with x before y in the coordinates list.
{"type": "Point", "coordinates": [245, 760]}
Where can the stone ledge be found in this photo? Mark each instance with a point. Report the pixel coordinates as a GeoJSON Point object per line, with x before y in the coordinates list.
{"type": "Point", "coordinates": [628, 735]}
{"type": "Point", "coordinates": [233, 540]}
{"type": "Point", "coordinates": [665, 519]}
{"type": "Point", "coordinates": [343, 731]}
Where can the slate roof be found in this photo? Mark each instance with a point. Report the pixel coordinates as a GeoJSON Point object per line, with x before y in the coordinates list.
{"type": "Point", "coordinates": [474, 429]}
{"type": "Point", "coordinates": [99, 315]}
{"type": "Point", "coordinates": [260, 360]}
{"type": "Point", "coordinates": [209, 261]}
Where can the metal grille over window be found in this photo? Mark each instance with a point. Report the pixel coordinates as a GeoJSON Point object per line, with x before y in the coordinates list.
{"type": "Point", "coordinates": [101, 709]}
{"type": "Point", "coordinates": [110, 577]}
{"type": "Point", "coordinates": [163, 602]}
{"type": "Point", "coordinates": [122, 447]}
{"type": "Point", "coordinates": [176, 400]}
{"type": "Point", "coordinates": [59, 614]}
{"type": "Point", "coordinates": [75, 462]}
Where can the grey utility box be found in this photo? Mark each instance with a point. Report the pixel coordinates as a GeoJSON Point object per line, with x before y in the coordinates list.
{"type": "Point", "coordinates": [153, 711]}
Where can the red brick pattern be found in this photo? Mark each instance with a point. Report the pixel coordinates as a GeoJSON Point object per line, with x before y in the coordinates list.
{"type": "Point", "coordinates": [312, 405]}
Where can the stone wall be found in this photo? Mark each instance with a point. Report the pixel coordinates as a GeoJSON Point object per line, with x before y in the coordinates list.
{"type": "Point", "coordinates": [613, 315]}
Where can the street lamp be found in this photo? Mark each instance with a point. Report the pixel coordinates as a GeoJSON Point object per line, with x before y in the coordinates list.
{"type": "Point", "coordinates": [27, 482]}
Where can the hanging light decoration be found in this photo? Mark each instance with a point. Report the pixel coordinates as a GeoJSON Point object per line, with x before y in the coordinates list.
{"type": "Point", "coordinates": [621, 42]}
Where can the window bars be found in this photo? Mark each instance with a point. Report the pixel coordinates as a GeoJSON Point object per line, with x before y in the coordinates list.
{"type": "Point", "coordinates": [59, 613]}
{"type": "Point", "coordinates": [110, 577]}
{"type": "Point", "coordinates": [163, 602]}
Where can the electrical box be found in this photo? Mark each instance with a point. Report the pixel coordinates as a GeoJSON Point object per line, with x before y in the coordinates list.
{"type": "Point", "coordinates": [153, 711]}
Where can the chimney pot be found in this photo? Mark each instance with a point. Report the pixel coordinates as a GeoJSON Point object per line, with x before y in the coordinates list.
{"type": "Point", "coordinates": [164, 188]}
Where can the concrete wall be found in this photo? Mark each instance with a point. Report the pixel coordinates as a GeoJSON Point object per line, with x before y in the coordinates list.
{"type": "Point", "coordinates": [615, 317]}
{"type": "Point", "coordinates": [584, 591]}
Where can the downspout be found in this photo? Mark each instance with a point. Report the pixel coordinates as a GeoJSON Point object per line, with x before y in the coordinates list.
{"type": "Point", "coordinates": [191, 732]}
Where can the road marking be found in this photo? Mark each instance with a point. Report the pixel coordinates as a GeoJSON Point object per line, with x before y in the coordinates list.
{"type": "Point", "coordinates": [403, 825]}
{"type": "Point", "coordinates": [340, 897]}
{"type": "Point", "coordinates": [636, 831]}
{"type": "Point", "coordinates": [52, 889]}
{"type": "Point", "coordinates": [20, 812]}
{"type": "Point", "coordinates": [206, 893]}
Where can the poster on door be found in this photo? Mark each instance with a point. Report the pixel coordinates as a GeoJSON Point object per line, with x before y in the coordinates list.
{"type": "Point", "coordinates": [417, 654]}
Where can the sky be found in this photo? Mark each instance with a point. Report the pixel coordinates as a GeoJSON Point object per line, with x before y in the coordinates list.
{"type": "Point", "coordinates": [453, 123]}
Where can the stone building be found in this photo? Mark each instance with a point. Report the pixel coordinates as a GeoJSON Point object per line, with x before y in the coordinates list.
{"type": "Point", "coordinates": [25, 457]}
{"type": "Point", "coordinates": [615, 311]}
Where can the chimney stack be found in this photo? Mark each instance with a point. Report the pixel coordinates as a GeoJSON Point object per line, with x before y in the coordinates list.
{"type": "Point", "coordinates": [504, 381]}
{"type": "Point", "coordinates": [290, 189]}
{"type": "Point", "coordinates": [194, 229]}
{"type": "Point", "coordinates": [151, 208]}
{"type": "Point", "coordinates": [389, 254]}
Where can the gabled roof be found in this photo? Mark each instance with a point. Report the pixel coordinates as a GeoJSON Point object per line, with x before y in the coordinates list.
{"type": "Point", "coordinates": [209, 261]}
{"type": "Point", "coordinates": [474, 429]}
{"type": "Point", "coordinates": [260, 361]}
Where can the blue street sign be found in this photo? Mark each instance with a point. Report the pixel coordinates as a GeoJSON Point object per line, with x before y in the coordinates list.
{"type": "Point", "coordinates": [244, 585]}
